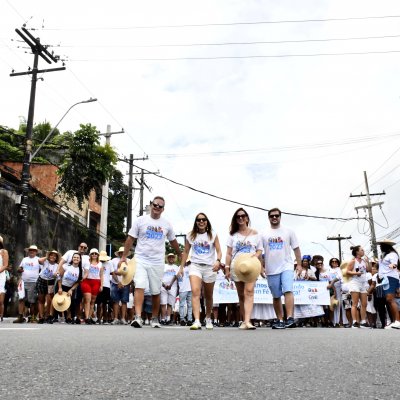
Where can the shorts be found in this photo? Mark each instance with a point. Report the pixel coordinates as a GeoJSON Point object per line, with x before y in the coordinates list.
{"type": "Point", "coordinates": [91, 286]}
{"type": "Point", "coordinates": [357, 287]}
{"type": "Point", "coordinates": [104, 296]}
{"type": "Point", "coordinates": [280, 283]}
{"type": "Point", "coordinates": [30, 292]}
{"type": "Point", "coordinates": [119, 295]}
{"type": "Point", "coordinates": [346, 300]}
{"type": "Point", "coordinates": [3, 286]}
{"type": "Point", "coordinates": [203, 271]}
{"type": "Point", "coordinates": [168, 296]}
{"type": "Point", "coordinates": [149, 275]}
{"type": "Point", "coordinates": [393, 286]}
{"type": "Point", "coordinates": [44, 286]}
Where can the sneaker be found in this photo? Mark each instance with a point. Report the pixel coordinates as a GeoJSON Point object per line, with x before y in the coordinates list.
{"type": "Point", "coordinates": [19, 320]}
{"type": "Point", "coordinates": [163, 322]}
{"type": "Point", "coordinates": [77, 321]}
{"type": "Point", "coordinates": [195, 326]}
{"type": "Point", "coordinates": [49, 320]}
{"type": "Point", "coordinates": [137, 322]}
{"type": "Point", "coordinates": [394, 325]}
{"type": "Point", "coordinates": [355, 325]}
{"type": "Point", "coordinates": [147, 322]}
{"type": "Point", "coordinates": [154, 323]}
{"type": "Point", "coordinates": [364, 325]}
{"type": "Point", "coordinates": [183, 322]}
{"type": "Point", "coordinates": [41, 321]}
{"type": "Point", "coordinates": [209, 325]}
{"type": "Point", "coordinates": [290, 323]}
{"type": "Point", "coordinates": [278, 325]}
{"type": "Point", "coordinates": [115, 322]}
{"type": "Point", "coordinates": [243, 326]}
{"type": "Point", "coordinates": [189, 323]}
{"type": "Point", "coordinates": [123, 321]}
{"type": "Point", "coordinates": [88, 321]}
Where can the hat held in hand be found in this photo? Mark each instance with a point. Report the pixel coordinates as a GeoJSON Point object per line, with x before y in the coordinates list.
{"type": "Point", "coordinates": [61, 302]}
{"type": "Point", "coordinates": [247, 267]}
{"type": "Point", "coordinates": [127, 271]}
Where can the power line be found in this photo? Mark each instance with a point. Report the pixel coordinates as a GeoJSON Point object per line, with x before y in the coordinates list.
{"type": "Point", "coordinates": [233, 201]}
{"type": "Point", "coordinates": [222, 24]}
{"type": "Point", "coordinates": [227, 43]}
{"type": "Point", "coordinates": [355, 53]}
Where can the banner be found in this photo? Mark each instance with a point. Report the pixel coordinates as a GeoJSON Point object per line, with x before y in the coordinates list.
{"type": "Point", "coordinates": [305, 292]}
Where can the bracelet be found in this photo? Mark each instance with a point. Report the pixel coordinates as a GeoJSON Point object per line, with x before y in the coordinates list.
{"type": "Point", "coordinates": [227, 266]}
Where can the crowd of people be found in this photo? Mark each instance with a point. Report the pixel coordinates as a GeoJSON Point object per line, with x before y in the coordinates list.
{"type": "Point", "coordinates": [177, 288]}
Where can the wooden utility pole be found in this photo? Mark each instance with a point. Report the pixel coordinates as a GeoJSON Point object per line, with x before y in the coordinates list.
{"type": "Point", "coordinates": [339, 239]}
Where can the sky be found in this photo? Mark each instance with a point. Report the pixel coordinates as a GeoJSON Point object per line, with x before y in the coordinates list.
{"type": "Point", "coordinates": [268, 104]}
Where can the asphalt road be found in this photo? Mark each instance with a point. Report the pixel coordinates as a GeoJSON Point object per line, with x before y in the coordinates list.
{"type": "Point", "coordinates": [120, 362]}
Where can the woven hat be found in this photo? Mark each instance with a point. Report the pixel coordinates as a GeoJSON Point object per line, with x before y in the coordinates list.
{"type": "Point", "coordinates": [54, 252]}
{"type": "Point", "coordinates": [127, 271]}
{"type": "Point", "coordinates": [121, 250]}
{"type": "Point", "coordinates": [386, 241]}
{"type": "Point", "coordinates": [247, 267]}
{"type": "Point", "coordinates": [104, 256]}
{"type": "Point", "coordinates": [61, 302]}
{"type": "Point", "coordinates": [33, 247]}
{"type": "Point", "coordinates": [343, 268]}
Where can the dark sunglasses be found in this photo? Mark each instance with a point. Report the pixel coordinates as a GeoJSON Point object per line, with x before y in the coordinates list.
{"type": "Point", "coordinates": [274, 216]}
{"type": "Point", "coordinates": [201, 219]}
{"type": "Point", "coordinates": [155, 205]}
{"type": "Point", "coordinates": [241, 216]}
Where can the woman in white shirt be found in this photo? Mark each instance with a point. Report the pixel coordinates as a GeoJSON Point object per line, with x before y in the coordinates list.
{"type": "Point", "coordinates": [205, 246]}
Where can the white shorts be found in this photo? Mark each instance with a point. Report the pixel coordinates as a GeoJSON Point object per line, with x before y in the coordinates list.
{"type": "Point", "coordinates": [358, 287]}
{"type": "Point", "coordinates": [168, 296]}
{"type": "Point", "coordinates": [2, 286]}
{"type": "Point", "coordinates": [203, 271]}
{"type": "Point", "coordinates": [149, 275]}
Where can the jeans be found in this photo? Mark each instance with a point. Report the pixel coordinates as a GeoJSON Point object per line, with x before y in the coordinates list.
{"type": "Point", "coordinates": [185, 298]}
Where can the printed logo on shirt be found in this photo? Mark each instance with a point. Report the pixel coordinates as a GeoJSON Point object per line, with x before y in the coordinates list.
{"type": "Point", "coordinates": [201, 247]}
{"type": "Point", "coordinates": [30, 266]}
{"type": "Point", "coordinates": [154, 232]}
{"type": "Point", "coordinates": [170, 272]}
{"type": "Point", "coordinates": [275, 243]}
{"type": "Point", "coordinates": [243, 247]}
{"type": "Point", "coordinates": [94, 270]}
{"type": "Point", "coordinates": [71, 276]}
{"type": "Point", "coordinates": [48, 273]}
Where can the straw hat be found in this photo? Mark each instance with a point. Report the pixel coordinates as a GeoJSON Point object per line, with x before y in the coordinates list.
{"type": "Point", "coordinates": [61, 302]}
{"type": "Point", "coordinates": [386, 241]}
{"type": "Point", "coordinates": [104, 256]}
{"type": "Point", "coordinates": [343, 268]}
{"type": "Point", "coordinates": [121, 250]}
{"type": "Point", "coordinates": [53, 252]}
{"type": "Point", "coordinates": [127, 271]}
{"type": "Point", "coordinates": [93, 251]}
{"type": "Point", "coordinates": [33, 247]}
{"type": "Point", "coordinates": [334, 303]}
{"type": "Point", "coordinates": [247, 267]}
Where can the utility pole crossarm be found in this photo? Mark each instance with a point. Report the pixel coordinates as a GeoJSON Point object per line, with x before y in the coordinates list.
{"type": "Point", "coordinates": [339, 239]}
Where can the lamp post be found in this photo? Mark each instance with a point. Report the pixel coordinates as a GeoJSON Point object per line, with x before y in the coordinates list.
{"type": "Point", "coordinates": [58, 123]}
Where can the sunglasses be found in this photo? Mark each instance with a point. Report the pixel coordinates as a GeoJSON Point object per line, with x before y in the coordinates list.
{"type": "Point", "coordinates": [83, 247]}
{"type": "Point", "coordinates": [94, 254]}
{"type": "Point", "coordinates": [155, 205]}
{"type": "Point", "coordinates": [241, 216]}
{"type": "Point", "coordinates": [201, 219]}
{"type": "Point", "coordinates": [274, 216]}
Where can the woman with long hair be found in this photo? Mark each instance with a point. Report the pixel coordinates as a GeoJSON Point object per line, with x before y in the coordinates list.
{"type": "Point", "coordinates": [389, 268]}
{"type": "Point", "coordinates": [92, 284]}
{"type": "Point", "coordinates": [3, 268]}
{"type": "Point", "coordinates": [242, 239]}
{"type": "Point", "coordinates": [203, 268]}
{"type": "Point", "coordinates": [358, 286]}
{"type": "Point", "coordinates": [69, 277]}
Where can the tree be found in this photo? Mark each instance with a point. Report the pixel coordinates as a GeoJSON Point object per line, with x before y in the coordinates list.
{"type": "Point", "coordinates": [117, 206]}
{"type": "Point", "coordinates": [87, 165]}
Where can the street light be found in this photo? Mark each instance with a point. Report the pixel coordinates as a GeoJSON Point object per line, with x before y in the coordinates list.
{"type": "Point", "coordinates": [58, 123]}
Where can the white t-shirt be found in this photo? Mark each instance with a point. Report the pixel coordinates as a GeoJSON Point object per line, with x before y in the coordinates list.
{"type": "Point", "coordinates": [169, 273]}
{"type": "Point", "coordinates": [278, 245]}
{"type": "Point", "coordinates": [115, 278]}
{"type": "Point", "coordinates": [362, 267]}
{"type": "Point", "coordinates": [203, 249]}
{"type": "Point", "coordinates": [184, 281]}
{"type": "Point", "coordinates": [325, 275]}
{"type": "Point", "coordinates": [48, 271]}
{"type": "Point", "coordinates": [67, 257]}
{"type": "Point", "coordinates": [71, 275]}
{"type": "Point", "coordinates": [94, 270]}
{"type": "Point", "coordinates": [151, 235]}
{"type": "Point", "coordinates": [384, 269]}
{"type": "Point", "coordinates": [243, 244]}
{"type": "Point", "coordinates": [107, 265]}
{"type": "Point", "coordinates": [31, 268]}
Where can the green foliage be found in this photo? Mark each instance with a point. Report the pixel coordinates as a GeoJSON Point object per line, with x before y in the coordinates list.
{"type": "Point", "coordinates": [11, 144]}
{"type": "Point", "coordinates": [87, 165]}
{"type": "Point", "coordinates": [117, 206]}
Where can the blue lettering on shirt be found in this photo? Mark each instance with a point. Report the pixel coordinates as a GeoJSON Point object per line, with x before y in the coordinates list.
{"type": "Point", "coordinates": [275, 243]}
{"type": "Point", "coordinates": [154, 232]}
{"type": "Point", "coordinates": [201, 248]}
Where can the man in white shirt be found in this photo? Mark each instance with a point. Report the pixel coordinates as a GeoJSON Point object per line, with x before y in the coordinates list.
{"type": "Point", "coordinates": [149, 233]}
{"type": "Point", "coordinates": [278, 243]}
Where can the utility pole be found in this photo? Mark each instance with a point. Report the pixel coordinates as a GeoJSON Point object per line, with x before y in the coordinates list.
{"type": "Point", "coordinates": [38, 50]}
{"type": "Point", "coordinates": [369, 206]}
{"type": "Point", "coordinates": [339, 239]}
{"type": "Point", "coordinates": [104, 197]}
{"type": "Point", "coordinates": [131, 188]}
{"type": "Point", "coordinates": [142, 185]}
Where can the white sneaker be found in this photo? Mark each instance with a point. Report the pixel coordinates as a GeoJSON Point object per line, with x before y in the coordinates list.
{"type": "Point", "coordinates": [115, 322]}
{"type": "Point", "coordinates": [137, 322]}
{"type": "Point", "coordinates": [394, 325]}
{"type": "Point", "coordinates": [209, 324]}
{"type": "Point", "coordinates": [123, 322]}
{"type": "Point", "coordinates": [155, 323]}
{"type": "Point", "coordinates": [195, 326]}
